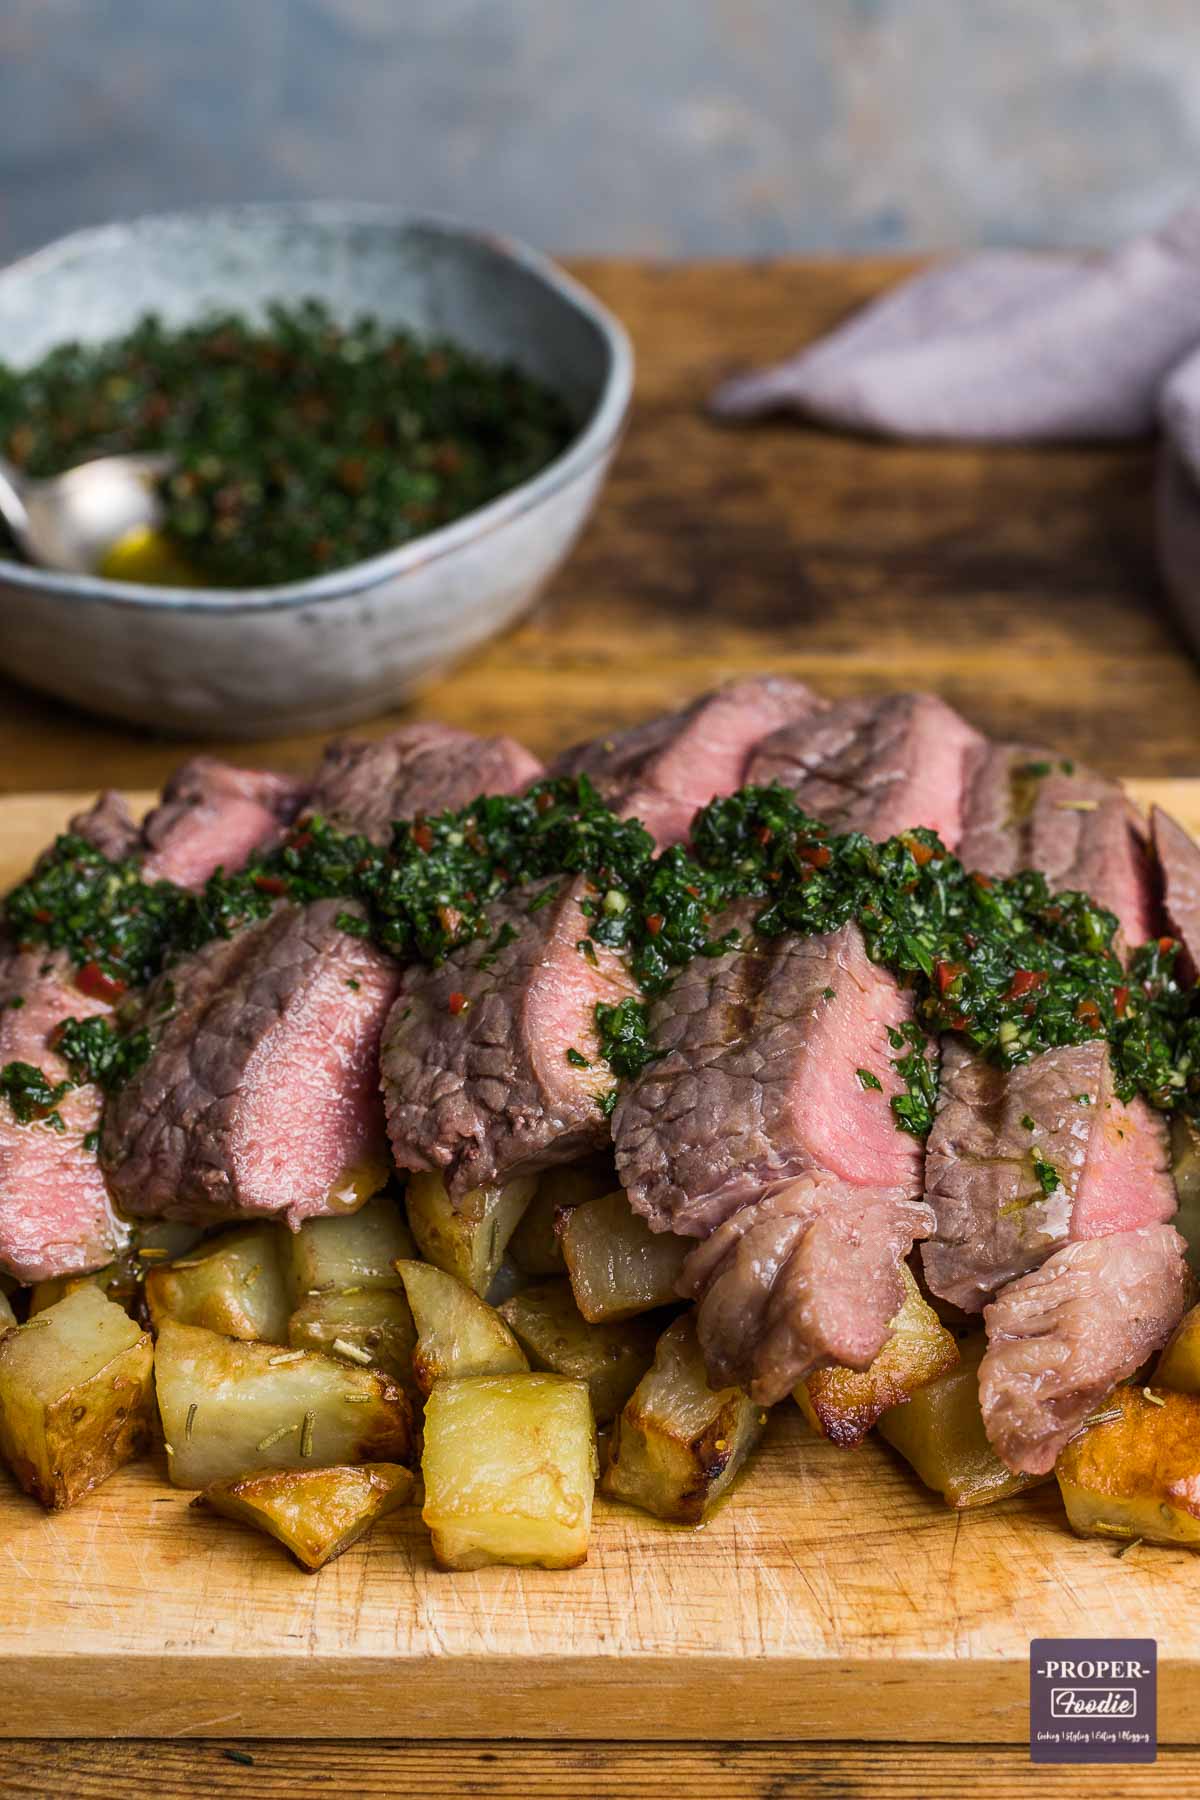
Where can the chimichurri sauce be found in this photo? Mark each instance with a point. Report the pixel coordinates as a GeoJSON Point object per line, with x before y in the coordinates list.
{"type": "Point", "coordinates": [301, 445]}
{"type": "Point", "coordinates": [1007, 964]}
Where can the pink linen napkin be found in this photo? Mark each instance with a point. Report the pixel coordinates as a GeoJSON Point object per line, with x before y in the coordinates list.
{"type": "Point", "coordinates": [1016, 347]}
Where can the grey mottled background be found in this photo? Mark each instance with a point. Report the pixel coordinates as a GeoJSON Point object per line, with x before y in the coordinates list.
{"type": "Point", "coordinates": [673, 127]}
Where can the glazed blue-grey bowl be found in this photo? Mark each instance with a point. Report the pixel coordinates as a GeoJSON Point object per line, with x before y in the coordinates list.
{"type": "Point", "coordinates": [313, 654]}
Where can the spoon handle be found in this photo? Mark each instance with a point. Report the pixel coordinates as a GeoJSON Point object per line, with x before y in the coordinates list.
{"type": "Point", "coordinates": [12, 501]}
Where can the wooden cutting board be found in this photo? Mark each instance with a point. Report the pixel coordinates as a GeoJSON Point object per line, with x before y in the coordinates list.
{"type": "Point", "coordinates": [830, 1597]}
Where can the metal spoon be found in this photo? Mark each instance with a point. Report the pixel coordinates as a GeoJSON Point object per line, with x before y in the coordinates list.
{"type": "Point", "coordinates": [74, 520]}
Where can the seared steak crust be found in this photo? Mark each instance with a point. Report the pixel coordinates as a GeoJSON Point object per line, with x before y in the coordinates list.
{"type": "Point", "coordinates": [876, 766]}
{"type": "Point", "coordinates": [201, 1132]}
{"type": "Point", "coordinates": [475, 1056]}
{"type": "Point", "coordinates": [1027, 808]}
{"type": "Point", "coordinates": [995, 1220]}
{"type": "Point", "coordinates": [662, 772]}
{"type": "Point", "coordinates": [1063, 1336]}
{"type": "Point", "coordinates": [805, 1276]}
{"type": "Point", "coordinates": [759, 1080]}
{"type": "Point", "coordinates": [362, 785]}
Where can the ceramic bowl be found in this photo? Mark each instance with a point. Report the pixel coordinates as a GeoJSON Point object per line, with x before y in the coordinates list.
{"type": "Point", "coordinates": [318, 653]}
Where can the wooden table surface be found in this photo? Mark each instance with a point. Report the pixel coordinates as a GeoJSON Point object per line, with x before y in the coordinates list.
{"type": "Point", "coordinates": [1019, 584]}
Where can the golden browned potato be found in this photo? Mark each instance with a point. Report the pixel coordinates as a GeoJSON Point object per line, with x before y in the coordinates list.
{"type": "Point", "coordinates": [76, 1396]}
{"type": "Point", "coordinates": [351, 1251]}
{"type": "Point", "coordinates": [457, 1333]}
{"type": "Point", "coordinates": [510, 1470]}
{"type": "Point", "coordinates": [618, 1267]}
{"type": "Point", "coordinates": [7, 1315]}
{"type": "Point", "coordinates": [1179, 1365]}
{"type": "Point", "coordinates": [677, 1445]}
{"type": "Point", "coordinates": [1135, 1472]}
{"type": "Point", "coordinates": [373, 1328]}
{"type": "Point", "coordinates": [554, 1335]}
{"type": "Point", "coordinates": [117, 1281]}
{"type": "Point", "coordinates": [233, 1408]}
{"type": "Point", "coordinates": [843, 1404]}
{"type": "Point", "coordinates": [536, 1244]}
{"type": "Point", "coordinates": [469, 1240]}
{"type": "Point", "coordinates": [940, 1432]}
{"type": "Point", "coordinates": [233, 1284]}
{"type": "Point", "coordinates": [314, 1513]}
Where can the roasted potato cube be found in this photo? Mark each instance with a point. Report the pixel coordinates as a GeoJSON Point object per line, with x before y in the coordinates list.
{"type": "Point", "coordinates": [1136, 1474]}
{"type": "Point", "coordinates": [117, 1281]}
{"type": "Point", "coordinates": [373, 1328]}
{"type": "Point", "coordinates": [314, 1513]}
{"type": "Point", "coordinates": [1179, 1365]}
{"type": "Point", "coordinates": [457, 1333]}
{"type": "Point", "coordinates": [468, 1241]}
{"type": "Point", "coordinates": [940, 1432]}
{"type": "Point", "coordinates": [611, 1358]}
{"type": "Point", "coordinates": [677, 1445]}
{"type": "Point", "coordinates": [7, 1315]}
{"type": "Point", "coordinates": [353, 1250]}
{"type": "Point", "coordinates": [618, 1267]}
{"type": "Point", "coordinates": [510, 1470]}
{"type": "Point", "coordinates": [76, 1396]}
{"type": "Point", "coordinates": [536, 1244]}
{"type": "Point", "coordinates": [843, 1404]}
{"type": "Point", "coordinates": [233, 1284]}
{"type": "Point", "coordinates": [232, 1408]}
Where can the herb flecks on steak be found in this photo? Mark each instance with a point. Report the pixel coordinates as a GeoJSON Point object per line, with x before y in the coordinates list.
{"type": "Point", "coordinates": [1006, 963]}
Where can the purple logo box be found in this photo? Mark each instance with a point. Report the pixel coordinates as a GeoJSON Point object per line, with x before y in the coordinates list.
{"type": "Point", "coordinates": [1093, 1700]}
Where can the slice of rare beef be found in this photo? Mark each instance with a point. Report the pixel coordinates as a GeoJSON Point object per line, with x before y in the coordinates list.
{"type": "Point", "coordinates": [662, 772]}
{"type": "Point", "coordinates": [490, 1063]}
{"type": "Point", "coordinates": [1020, 1161]}
{"type": "Point", "coordinates": [55, 1215]}
{"type": "Point", "coordinates": [1063, 1336]}
{"type": "Point", "coordinates": [261, 1096]}
{"type": "Point", "coordinates": [1027, 808]}
{"type": "Point", "coordinates": [213, 816]}
{"type": "Point", "coordinates": [1179, 865]}
{"type": "Point", "coordinates": [761, 1079]}
{"type": "Point", "coordinates": [363, 786]}
{"type": "Point", "coordinates": [876, 766]}
{"type": "Point", "coordinates": [807, 1275]}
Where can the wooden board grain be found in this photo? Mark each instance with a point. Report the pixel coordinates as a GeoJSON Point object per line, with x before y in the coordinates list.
{"type": "Point", "coordinates": [830, 1596]}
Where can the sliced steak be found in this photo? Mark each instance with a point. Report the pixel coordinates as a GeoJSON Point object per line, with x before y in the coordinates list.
{"type": "Point", "coordinates": [363, 785]}
{"type": "Point", "coordinates": [995, 1220]}
{"type": "Point", "coordinates": [805, 1276]}
{"type": "Point", "coordinates": [476, 1074]}
{"type": "Point", "coordinates": [212, 817]}
{"type": "Point", "coordinates": [261, 1095]}
{"type": "Point", "coordinates": [109, 826]}
{"type": "Point", "coordinates": [55, 1216]}
{"type": "Point", "coordinates": [477, 1070]}
{"type": "Point", "coordinates": [1179, 864]}
{"type": "Point", "coordinates": [876, 766]}
{"type": "Point", "coordinates": [664, 771]}
{"type": "Point", "coordinates": [1061, 1337]}
{"type": "Point", "coordinates": [1027, 808]}
{"type": "Point", "coordinates": [759, 1080]}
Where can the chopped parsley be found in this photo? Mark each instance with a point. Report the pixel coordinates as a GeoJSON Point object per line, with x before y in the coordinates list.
{"type": "Point", "coordinates": [867, 1080]}
{"type": "Point", "coordinates": [576, 1059]}
{"type": "Point", "coordinates": [32, 1097]}
{"type": "Point", "coordinates": [1048, 1178]}
{"type": "Point", "coordinates": [1007, 964]}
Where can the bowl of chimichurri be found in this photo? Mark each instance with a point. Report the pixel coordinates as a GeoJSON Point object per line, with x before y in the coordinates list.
{"type": "Point", "coordinates": [384, 435]}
